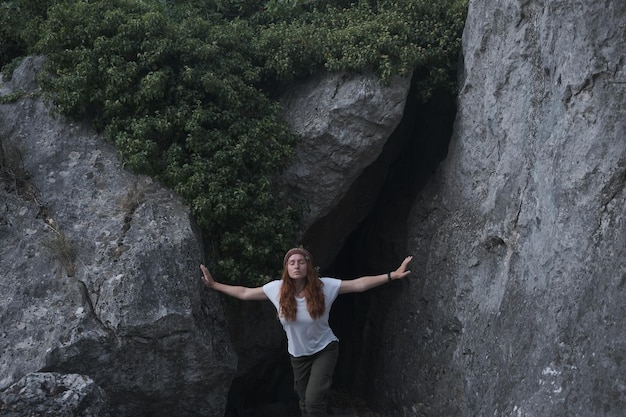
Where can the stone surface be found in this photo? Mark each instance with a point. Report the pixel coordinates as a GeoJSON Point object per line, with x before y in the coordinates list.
{"type": "Point", "coordinates": [517, 303]}
{"type": "Point", "coordinates": [100, 273]}
{"type": "Point", "coordinates": [53, 394]}
{"type": "Point", "coordinates": [344, 121]}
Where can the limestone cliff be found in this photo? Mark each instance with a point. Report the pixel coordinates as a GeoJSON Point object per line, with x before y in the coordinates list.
{"type": "Point", "coordinates": [517, 304]}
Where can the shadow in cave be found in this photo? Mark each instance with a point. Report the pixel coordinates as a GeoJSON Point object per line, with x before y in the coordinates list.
{"type": "Point", "coordinates": [379, 243]}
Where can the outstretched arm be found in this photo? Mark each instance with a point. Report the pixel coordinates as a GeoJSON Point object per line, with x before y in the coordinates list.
{"type": "Point", "coordinates": [368, 282]}
{"type": "Point", "coordinates": [243, 293]}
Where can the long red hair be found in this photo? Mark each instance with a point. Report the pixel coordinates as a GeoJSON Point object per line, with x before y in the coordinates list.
{"type": "Point", "coordinates": [313, 292]}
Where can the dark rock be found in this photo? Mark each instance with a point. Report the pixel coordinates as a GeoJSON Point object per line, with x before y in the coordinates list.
{"type": "Point", "coordinates": [53, 394]}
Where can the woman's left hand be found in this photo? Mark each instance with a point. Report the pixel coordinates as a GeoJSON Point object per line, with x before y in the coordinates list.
{"type": "Point", "coordinates": [402, 272]}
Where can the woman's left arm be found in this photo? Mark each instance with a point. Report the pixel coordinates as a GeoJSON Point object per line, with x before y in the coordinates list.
{"type": "Point", "coordinates": [371, 281]}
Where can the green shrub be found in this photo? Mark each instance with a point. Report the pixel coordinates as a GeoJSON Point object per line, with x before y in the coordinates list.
{"type": "Point", "coordinates": [184, 90]}
{"type": "Point", "coordinates": [19, 22]}
{"type": "Point", "coordinates": [178, 99]}
{"type": "Point", "coordinates": [383, 37]}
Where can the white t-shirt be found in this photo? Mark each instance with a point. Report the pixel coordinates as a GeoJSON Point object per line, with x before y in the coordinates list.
{"type": "Point", "coordinates": [306, 336]}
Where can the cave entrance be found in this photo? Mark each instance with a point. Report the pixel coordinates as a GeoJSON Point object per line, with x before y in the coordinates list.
{"type": "Point", "coordinates": [377, 245]}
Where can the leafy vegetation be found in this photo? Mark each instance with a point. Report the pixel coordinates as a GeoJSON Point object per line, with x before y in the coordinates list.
{"type": "Point", "coordinates": [184, 90]}
{"type": "Point", "coordinates": [19, 20]}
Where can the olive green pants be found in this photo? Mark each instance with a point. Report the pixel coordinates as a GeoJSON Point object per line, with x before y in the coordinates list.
{"type": "Point", "coordinates": [313, 377]}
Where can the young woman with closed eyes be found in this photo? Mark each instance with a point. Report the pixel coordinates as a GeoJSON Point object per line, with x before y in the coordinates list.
{"type": "Point", "coordinates": [303, 301]}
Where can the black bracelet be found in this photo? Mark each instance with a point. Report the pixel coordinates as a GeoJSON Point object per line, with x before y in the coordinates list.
{"type": "Point", "coordinates": [388, 276]}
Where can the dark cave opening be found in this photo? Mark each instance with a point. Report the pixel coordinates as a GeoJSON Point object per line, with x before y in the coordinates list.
{"type": "Point", "coordinates": [377, 245]}
{"type": "Point", "coordinates": [379, 242]}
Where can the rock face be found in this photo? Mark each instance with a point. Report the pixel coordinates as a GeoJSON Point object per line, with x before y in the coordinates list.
{"type": "Point", "coordinates": [344, 120]}
{"type": "Point", "coordinates": [100, 272]}
{"type": "Point", "coordinates": [56, 395]}
{"type": "Point", "coordinates": [517, 305]}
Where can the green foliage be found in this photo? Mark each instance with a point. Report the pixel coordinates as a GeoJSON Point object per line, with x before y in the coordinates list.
{"type": "Point", "coordinates": [383, 37]}
{"type": "Point", "coordinates": [13, 97]}
{"type": "Point", "coordinates": [178, 99]}
{"type": "Point", "coordinates": [19, 21]}
{"type": "Point", "coordinates": [221, 9]}
{"type": "Point", "coordinates": [182, 87]}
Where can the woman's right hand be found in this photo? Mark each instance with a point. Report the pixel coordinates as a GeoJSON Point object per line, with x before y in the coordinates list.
{"type": "Point", "coordinates": [207, 278]}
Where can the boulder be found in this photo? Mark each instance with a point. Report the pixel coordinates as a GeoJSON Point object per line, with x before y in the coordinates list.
{"type": "Point", "coordinates": [100, 271]}
{"type": "Point", "coordinates": [344, 121]}
{"type": "Point", "coordinates": [54, 394]}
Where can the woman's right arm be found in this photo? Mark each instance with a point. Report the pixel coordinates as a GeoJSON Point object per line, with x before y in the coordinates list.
{"type": "Point", "coordinates": [237, 291]}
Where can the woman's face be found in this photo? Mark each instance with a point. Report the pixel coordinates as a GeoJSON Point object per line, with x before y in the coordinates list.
{"type": "Point", "coordinates": [296, 266]}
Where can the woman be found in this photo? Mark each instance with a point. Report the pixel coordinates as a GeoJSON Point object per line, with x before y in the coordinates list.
{"type": "Point", "coordinates": [303, 301]}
